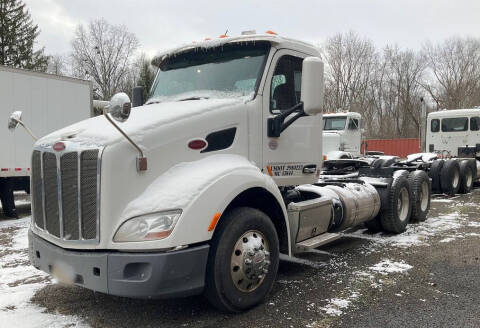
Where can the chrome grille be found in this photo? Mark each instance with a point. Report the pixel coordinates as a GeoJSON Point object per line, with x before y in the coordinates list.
{"type": "Point", "coordinates": [37, 201]}
{"type": "Point", "coordinates": [88, 180]}
{"type": "Point", "coordinates": [51, 195]}
{"type": "Point", "coordinates": [69, 170]}
{"type": "Point", "coordinates": [65, 193]}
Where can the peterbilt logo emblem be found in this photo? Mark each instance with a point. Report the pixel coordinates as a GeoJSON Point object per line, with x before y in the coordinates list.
{"type": "Point", "coordinates": [58, 146]}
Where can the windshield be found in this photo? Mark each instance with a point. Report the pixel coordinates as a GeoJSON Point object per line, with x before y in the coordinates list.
{"type": "Point", "coordinates": [230, 70]}
{"type": "Point", "coordinates": [454, 124]}
{"type": "Point", "coordinates": [334, 123]}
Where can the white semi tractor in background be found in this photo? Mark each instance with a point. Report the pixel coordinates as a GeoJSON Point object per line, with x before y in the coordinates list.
{"type": "Point", "coordinates": [451, 158]}
{"type": "Point", "coordinates": [48, 102]}
{"type": "Point", "coordinates": [203, 186]}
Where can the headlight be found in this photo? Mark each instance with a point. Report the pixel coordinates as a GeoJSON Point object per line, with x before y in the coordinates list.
{"type": "Point", "coordinates": [153, 226]}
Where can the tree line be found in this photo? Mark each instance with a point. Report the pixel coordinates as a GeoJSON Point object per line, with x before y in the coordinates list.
{"type": "Point", "coordinates": [385, 85]}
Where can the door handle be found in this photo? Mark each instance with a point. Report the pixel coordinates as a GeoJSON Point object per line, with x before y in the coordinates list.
{"type": "Point", "coordinates": [309, 169]}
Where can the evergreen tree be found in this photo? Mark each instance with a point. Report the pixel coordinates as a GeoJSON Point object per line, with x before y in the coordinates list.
{"type": "Point", "coordinates": [17, 37]}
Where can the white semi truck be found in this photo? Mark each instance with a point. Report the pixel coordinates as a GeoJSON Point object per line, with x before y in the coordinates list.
{"type": "Point", "coordinates": [49, 102]}
{"type": "Point", "coordinates": [342, 135]}
{"type": "Point", "coordinates": [203, 186]}
{"type": "Point", "coordinates": [452, 137]}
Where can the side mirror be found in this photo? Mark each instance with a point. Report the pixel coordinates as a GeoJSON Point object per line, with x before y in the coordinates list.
{"type": "Point", "coordinates": [313, 87]}
{"type": "Point", "coordinates": [120, 107]}
{"type": "Point", "coordinates": [15, 117]}
{"type": "Point", "coordinates": [137, 96]}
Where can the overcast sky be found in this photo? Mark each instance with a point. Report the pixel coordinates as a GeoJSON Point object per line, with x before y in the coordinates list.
{"type": "Point", "coordinates": [163, 24]}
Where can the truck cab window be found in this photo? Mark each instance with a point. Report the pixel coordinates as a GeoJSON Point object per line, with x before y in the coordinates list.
{"type": "Point", "coordinates": [435, 125]}
{"type": "Point", "coordinates": [353, 124]}
{"type": "Point", "coordinates": [334, 123]}
{"type": "Point", "coordinates": [454, 124]}
{"type": "Point", "coordinates": [475, 123]}
{"type": "Point", "coordinates": [286, 83]}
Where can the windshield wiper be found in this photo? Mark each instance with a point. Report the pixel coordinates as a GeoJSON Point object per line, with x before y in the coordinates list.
{"type": "Point", "coordinates": [193, 98]}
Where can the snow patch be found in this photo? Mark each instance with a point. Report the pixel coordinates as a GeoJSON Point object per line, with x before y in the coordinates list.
{"type": "Point", "coordinates": [19, 281]}
{"type": "Point", "coordinates": [387, 266]}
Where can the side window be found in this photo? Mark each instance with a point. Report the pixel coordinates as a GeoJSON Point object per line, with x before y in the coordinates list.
{"type": "Point", "coordinates": [435, 125]}
{"type": "Point", "coordinates": [286, 83]}
{"type": "Point", "coordinates": [353, 124]}
{"type": "Point", "coordinates": [475, 123]}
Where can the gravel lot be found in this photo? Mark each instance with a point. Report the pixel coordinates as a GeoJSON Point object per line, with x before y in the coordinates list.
{"type": "Point", "coordinates": [427, 277]}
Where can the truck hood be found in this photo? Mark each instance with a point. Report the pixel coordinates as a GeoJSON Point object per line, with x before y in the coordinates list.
{"type": "Point", "coordinates": [98, 131]}
{"type": "Point", "coordinates": [331, 141]}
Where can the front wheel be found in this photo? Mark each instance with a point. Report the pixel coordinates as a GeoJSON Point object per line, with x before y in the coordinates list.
{"type": "Point", "coordinates": [243, 260]}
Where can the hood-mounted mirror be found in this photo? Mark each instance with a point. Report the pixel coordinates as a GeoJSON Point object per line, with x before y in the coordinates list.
{"type": "Point", "coordinates": [120, 108]}
{"type": "Point", "coordinates": [15, 119]}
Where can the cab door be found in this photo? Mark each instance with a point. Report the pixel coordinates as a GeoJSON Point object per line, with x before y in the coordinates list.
{"type": "Point", "coordinates": [295, 157]}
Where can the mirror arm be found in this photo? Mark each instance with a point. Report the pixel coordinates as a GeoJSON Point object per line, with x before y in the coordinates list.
{"type": "Point", "coordinates": [27, 129]}
{"type": "Point", "coordinates": [293, 119]}
{"type": "Point", "coordinates": [142, 160]}
{"type": "Point", "coordinates": [277, 124]}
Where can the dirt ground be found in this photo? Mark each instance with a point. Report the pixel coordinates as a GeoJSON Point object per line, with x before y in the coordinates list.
{"type": "Point", "coordinates": [427, 277]}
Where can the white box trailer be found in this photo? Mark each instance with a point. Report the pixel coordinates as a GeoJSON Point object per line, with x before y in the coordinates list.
{"type": "Point", "coordinates": [48, 102]}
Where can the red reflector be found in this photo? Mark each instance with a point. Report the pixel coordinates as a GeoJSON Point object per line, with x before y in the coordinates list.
{"type": "Point", "coordinates": [59, 146]}
{"type": "Point", "coordinates": [4, 170]}
{"type": "Point", "coordinates": [197, 144]}
{"type": "Point", "coordinates": [18, 169]}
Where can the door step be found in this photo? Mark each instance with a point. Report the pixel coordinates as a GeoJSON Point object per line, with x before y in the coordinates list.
{"type": "Point", "coordinates": [317, 241]}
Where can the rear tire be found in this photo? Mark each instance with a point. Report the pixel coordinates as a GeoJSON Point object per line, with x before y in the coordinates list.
{"type": "Point", "coordinates": [466, 177]}
{"type": "Point", "coordinates": [450, 177]}
{"type": "Point", "coordinates": [434, 174]}
{"type": "Point", "coordinates": [244, 244]}
{"type": "Point", "coordinates": [421, 194]}
{"type": "Point", "coordinates": [397, 211]}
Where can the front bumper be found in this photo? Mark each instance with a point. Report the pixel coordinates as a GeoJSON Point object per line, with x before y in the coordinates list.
{"type": "Point", "coordinates": [140, 275]}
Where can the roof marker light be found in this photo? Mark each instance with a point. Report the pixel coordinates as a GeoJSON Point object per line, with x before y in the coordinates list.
{"type": "Point", "coordinates": [271, 32]}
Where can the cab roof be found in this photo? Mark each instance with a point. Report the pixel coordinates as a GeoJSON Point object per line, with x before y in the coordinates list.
{"type": "Point", "coordinates": [455, 112]}
{"type": "Point", "coordinates": [275, 40]}
{"type": "Point", "coordinates": [343, 114]}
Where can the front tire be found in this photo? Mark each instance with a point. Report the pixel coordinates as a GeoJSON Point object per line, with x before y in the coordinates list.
{"type": "Point", "coordinates": [243, 260]}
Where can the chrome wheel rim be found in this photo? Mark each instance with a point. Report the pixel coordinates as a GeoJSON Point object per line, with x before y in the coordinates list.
{"type": "Point", "coordinates": [424, 193]}
{"type": "Point", "coordinates": [469, 178]}
{"type": "Point", "coordinates": [402, 204]}
{"type": "Point", "coordinates": [456, 179]}
{"type": "Point", "coordinates": [250, 261]}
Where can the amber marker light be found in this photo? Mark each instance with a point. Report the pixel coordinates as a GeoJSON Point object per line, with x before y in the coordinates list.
{"type": "Point", "coordinates": [214, 221]}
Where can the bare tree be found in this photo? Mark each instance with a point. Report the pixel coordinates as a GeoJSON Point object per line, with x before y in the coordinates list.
{"type": "Point", "coordinates": [103, 53]}
{"type": "Point", "coordinates": [404, 72]}
{"type": "Point", "coordinates": [454, 72]}
{"type": "Point", "coordinates": [350, 65]}
{"type": "Point", "coordinates": [58, 65]}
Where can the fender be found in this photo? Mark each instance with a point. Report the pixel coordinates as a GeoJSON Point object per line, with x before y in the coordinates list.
{"type": "Point", "coordinates": [201, 189]}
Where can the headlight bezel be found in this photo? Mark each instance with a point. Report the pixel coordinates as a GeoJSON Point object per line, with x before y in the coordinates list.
{"type": "Point", "coordinates": [153, 228]}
